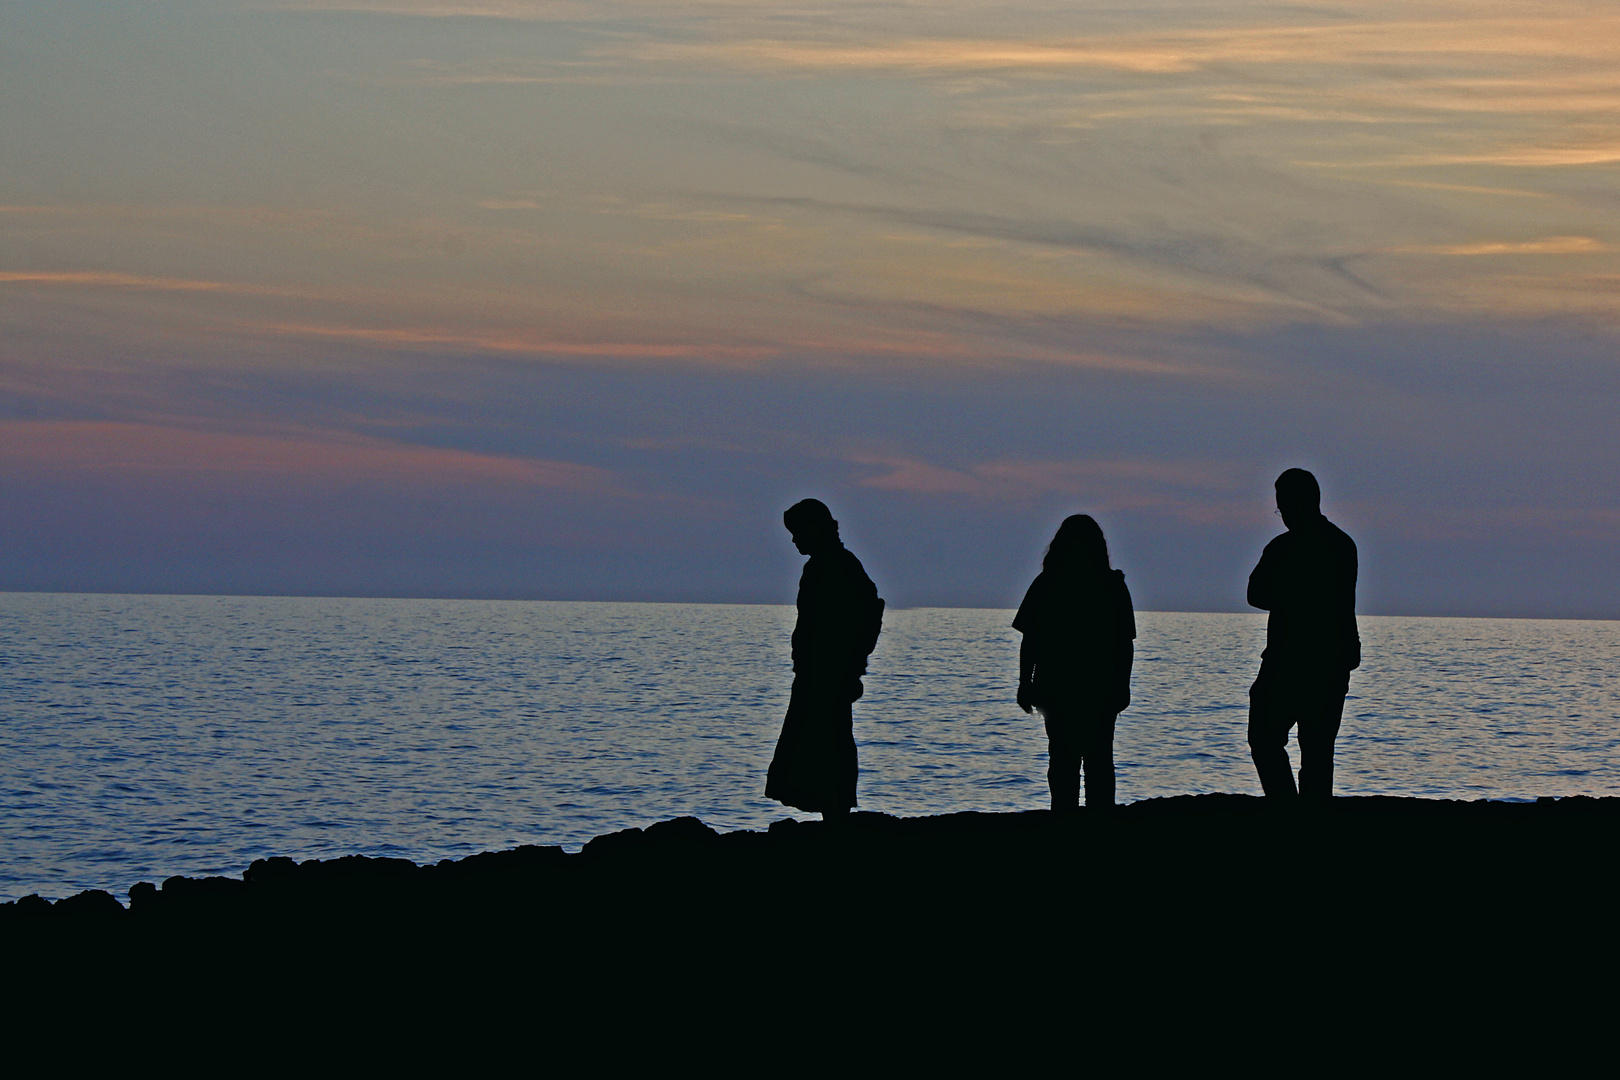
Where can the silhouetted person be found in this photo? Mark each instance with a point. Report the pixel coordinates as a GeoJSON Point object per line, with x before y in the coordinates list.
{"type": "Point", "coordinates": [840, 615]}
{"type": "Point", "coordinates": [1075, 660]}
{"type": "Point", "coordinates": [1307, 580]}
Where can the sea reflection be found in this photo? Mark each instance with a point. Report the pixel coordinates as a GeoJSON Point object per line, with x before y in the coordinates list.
{"type": "Point", "coordinates": [150, 736]}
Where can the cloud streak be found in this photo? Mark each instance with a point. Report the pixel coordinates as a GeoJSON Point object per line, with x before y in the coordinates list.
{"type": "Point", "coordinates": [1113, 484]}
{"type": "Point", "coordinates": [114, 448]}
{"type": "Point", "coordinates": [102, 279]}
{"type": "Point", "coordinates": [1554, 245]}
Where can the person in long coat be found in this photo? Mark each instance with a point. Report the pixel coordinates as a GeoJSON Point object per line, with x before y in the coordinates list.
{"type": "Point", "coordinates": [840, 616]}
{"type": "Point", "coordinates": [1074, 663]}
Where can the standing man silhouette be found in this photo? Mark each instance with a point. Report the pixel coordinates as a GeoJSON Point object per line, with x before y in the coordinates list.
{"type": "Point", "coordinates": [840, 616]}
{"type": "Point", "coordinates": [1307, 580]}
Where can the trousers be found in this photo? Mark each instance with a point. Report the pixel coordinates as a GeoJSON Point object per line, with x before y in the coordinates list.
{"type": "Point", "coordinates": [1279, 700]}
{"type": "Point", "coordinates": [1080, 739]}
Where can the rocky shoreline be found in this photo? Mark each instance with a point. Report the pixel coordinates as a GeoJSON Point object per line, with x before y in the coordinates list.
{"type": "Point", "coordinates": [1216, 914]}
{"type": "Point", "coordinates": [1258, 842]}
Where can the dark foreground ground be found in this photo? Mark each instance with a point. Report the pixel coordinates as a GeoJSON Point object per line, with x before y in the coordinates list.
{"type": "Point", "coordinates": [1371, 917]}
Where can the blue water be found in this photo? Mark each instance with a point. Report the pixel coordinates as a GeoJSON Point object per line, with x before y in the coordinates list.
{"type": "Point", "coordinates": [145, 736]}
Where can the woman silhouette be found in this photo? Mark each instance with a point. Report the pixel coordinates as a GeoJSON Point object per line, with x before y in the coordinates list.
{"type": "Point", "coordinates": [1075, 661]}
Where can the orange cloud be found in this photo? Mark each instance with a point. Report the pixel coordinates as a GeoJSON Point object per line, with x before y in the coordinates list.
{"type": "Point", "coordinates": [1460, 32]}
{"type": "Point", "coordinates": [931, 55]}
{"type": "Point", "coordinates": [1554, 245]}
{"type": "Point", "coordinates": [519, 343]}
{"type": "Point", "coordinates": [456, 9]}
{"type": "Point", "coordinates": [1172, 487]}
{"type": "Point", "coordinates": [107, 279]}
{"type": "Point", "coordinates": [1529, 157]}
{"type": "Point", "coordinates": [114, 448]}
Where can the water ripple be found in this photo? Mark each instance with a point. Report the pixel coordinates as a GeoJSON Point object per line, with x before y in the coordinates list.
{"type": "Point", "coordinates": [142, 737]}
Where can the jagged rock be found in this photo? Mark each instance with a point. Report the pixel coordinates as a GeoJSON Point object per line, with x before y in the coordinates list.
{"type": "Point", "coordinates": [31, 906]}
{"type": "Point", "coordinates": [142, 896]}
{"type": "Point", "coordinates": [682, 832]}
{"type": "Point", "coordinates": [212, 895]}
{"type": "Point", "coordinates": [524, 860]}
{"type": "Point", "coordinates": [91, 903]}
{"type": "Point", "coordinates": [263, 871]}
{"type": "Point", "coordinates": [614, 844]}
{"type": "Point", "coordinates": [356, 869]}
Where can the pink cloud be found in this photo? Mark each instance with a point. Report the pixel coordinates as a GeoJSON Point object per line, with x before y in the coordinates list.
{"type": "Point", "coordinates": [1200, 492]}
{"type": "Point", "coordinates": [117, 448]}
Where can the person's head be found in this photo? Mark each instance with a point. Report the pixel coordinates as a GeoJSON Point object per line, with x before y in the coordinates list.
{"type": "Point", "coordinates": [1299, 497]}
{"type": "Point", "coordinates": [1078, 547]}
{"type": "Point", "coordinates": [812, 526]}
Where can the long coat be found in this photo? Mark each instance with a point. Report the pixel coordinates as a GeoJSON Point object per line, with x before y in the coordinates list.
{"type": "Point", "coordinates": [840, 615]}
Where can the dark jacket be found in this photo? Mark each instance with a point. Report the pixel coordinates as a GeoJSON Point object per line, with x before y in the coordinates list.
{"type": "Point", "coordinates": [840, 616]}
{"type": "Point", "coordinates": [1081, 627]}
{"type": "Point", "coordinates": [1307, 580]}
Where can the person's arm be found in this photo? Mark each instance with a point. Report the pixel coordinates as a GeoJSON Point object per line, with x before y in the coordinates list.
{"type": "Point", "coordinates": [1260, 583]}
{"type": "Point", "coordinates": [1353, 642]}
{"type": "Point", "coordinates": [1026, 675]}
{"type": "Point", "coordinates": [1124, 645]}
{"type": "Point", "coordinates": [1028, 622]}
{"type": "Point", "coordinates": [1124, 653]}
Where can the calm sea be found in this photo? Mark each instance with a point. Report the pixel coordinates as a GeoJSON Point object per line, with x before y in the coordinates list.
{"type": "Point", "coordinates": [146, 736]}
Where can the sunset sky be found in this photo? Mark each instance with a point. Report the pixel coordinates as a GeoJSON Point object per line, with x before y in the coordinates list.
{"type": "Point", "coordinates": [516, 298]}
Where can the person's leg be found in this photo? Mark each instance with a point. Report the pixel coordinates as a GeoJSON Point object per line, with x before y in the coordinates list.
{"type": "Point", "coordinates": [843, 769]}
{"type": "Point", "coordinates": [1063, 760]}
{"type": "Point", "coordinates": [1318, 731]}
{"type": "Point", "coordinates": [1268, 737]}
{"type": "Point", "coordinates": [1097, 760]}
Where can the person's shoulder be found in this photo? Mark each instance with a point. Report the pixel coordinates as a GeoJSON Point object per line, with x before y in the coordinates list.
{"type": "Point", "coordinates": [850, 565]}
{"type": "Point", "coordinates": [1033, 601]}
{"type": "Point", "coordinates": [1037, 588]}
{"type": "Point", "coordinates": [1338, 535]}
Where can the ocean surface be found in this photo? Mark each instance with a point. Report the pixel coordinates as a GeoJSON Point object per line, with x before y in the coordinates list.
{"type": "Point", "coordinates": [147, 736]}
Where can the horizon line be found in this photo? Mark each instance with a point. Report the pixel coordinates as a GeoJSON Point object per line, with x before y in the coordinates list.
{"type": "Point", "coordinates": [739, 603]}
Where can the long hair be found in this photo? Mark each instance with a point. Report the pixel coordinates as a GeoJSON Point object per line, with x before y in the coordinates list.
{"type": "Point", "coordinates": [1078, 548]}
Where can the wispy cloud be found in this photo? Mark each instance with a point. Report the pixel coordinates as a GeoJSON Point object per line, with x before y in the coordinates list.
{"type": "Point", "coordinates": [1211, 165]}
{"type": "Point", "coordinates": [113, 448]}
{"type": "Point", "coordinates": [1193, 490]}
{"type": "Point", "coordinates": [527, 10]}
{"type": "Point", "coordinates": [1597, 152]}
{"type": "Point", "coordinates": [103, 279]}
{"type": "Point", "coordinates": [923, 55]}
{"type": "Point", "coordinates": [517, 343]}
{"type": "Point", "coordinates": [1554, 245]}
{"type": "Point", "coordinates": [1465, 189]}
{"type": "Point", "coordinates": [1474, 33]}
{"type": "Point", "coordinates": [1303, 278]}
